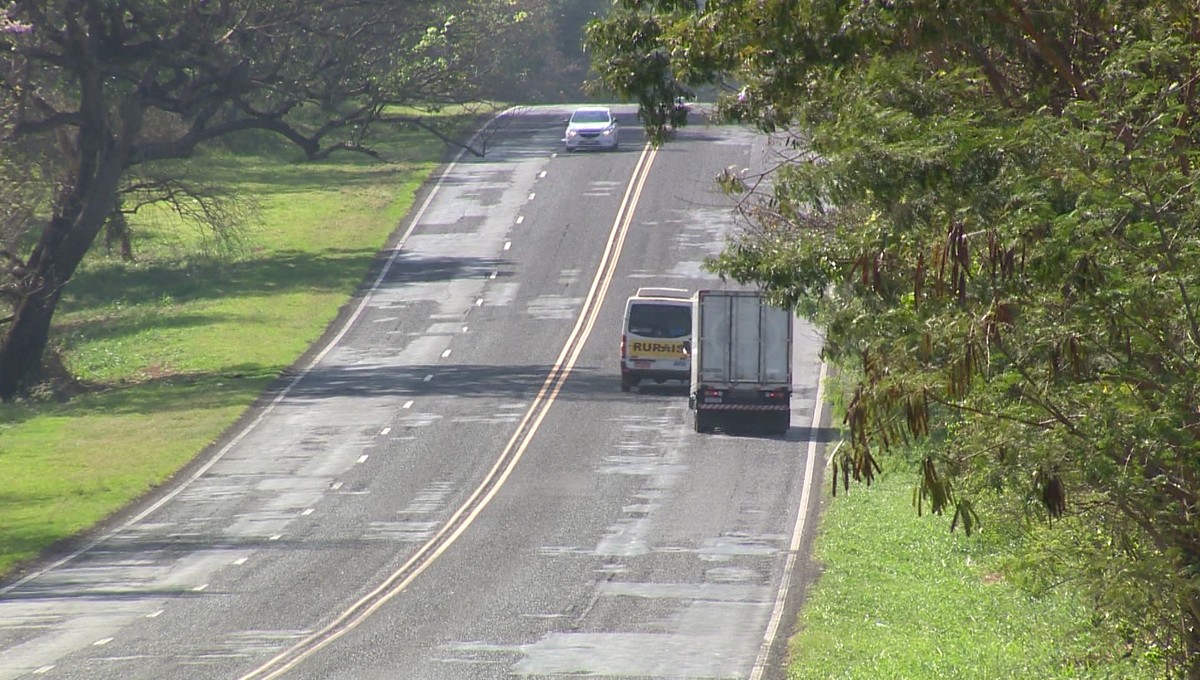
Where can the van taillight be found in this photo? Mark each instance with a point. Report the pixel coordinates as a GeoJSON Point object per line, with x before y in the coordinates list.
{"type": "Point", "coordinates": [622, 345]}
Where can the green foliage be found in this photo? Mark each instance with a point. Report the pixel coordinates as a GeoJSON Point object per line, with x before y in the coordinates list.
{"type": "Point", "coordinates": [541, 56]}
{"type": "Point", "coordinates": [990, 209]}
{"type": "Point", "coordinates": [632, 53]}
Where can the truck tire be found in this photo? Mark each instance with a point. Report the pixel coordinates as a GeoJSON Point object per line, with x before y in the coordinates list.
{"type": "Point", "coordinates": [628, 383]}
{"type": "Point", "coordinates": [703, 422]}
{"type": "Point", "coordinates": [779, 423]}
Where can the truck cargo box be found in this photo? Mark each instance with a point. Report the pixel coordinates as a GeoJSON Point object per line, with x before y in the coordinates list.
{"type": "Point", "coordinates": [741, 362]}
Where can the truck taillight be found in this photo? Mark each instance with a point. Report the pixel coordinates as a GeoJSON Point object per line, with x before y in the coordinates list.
{"type": "Point", "coordinates": [711, 392]}
{"type": "Point", "coordinates": [776, 394]}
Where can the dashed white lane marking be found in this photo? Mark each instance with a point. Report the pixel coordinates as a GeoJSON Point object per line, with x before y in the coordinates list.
{"type": "Point", "coordinates": [155, 615]}
{"type": "Point", "coordinates": [363, 458]}
{"type": "Point", "coordinates": [464, 329]}
{"type": "Point", "coordinates": [469, 511]}
{"type": "Point", "coordinates": [541, 174]}
{"type": "Point", "coordinates": [508, 245]}
{"type": "Point", "coordinates": [384, 431]}
{"type": "Point", "coordinates": [445, 353]}
{"type": "Point", "coordinates": [43, 670]}
{"type": "Point", "coordinates": [276, 537]}
{"type": "Point", "coordinates": [493, 275]}
{"type": "Point", "coordinates": [408, 404]}
{"type": "Point", "coordinates": [427, 378]}
{"type": "Point", "coordinates": [520, 219]}
{"type": "Point", "coordinates": [307, 512]}
{"type": "Point", "coordinates": [102, 641]}
{"type": "Point", "coordinates": [335, 486]}
{"type": "Point", "coordinates": [241, 560]}
{"type": "Point", "coordinates": [479, 302]}
{"type": "Point", "coordinates": [367, 298]}
{"type": "Point", "coordinates": [200, 588]}
{"type": "Point", "coordinates": [531, 195]}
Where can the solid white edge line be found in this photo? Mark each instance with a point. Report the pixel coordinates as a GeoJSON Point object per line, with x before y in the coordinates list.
{"type": "Point", "coordinates": [785, 582]}
{"type": "Point", "coordinates": [184, 484]}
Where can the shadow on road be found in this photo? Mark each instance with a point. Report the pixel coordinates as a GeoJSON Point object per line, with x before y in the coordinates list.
{"type": "Point", "coordinates": [469, 381]}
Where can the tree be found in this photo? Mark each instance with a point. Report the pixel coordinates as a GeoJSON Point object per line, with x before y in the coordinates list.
{"type": "Point", "coordinates": [108, 88]}
{"type": "Point", "coordinates": [989, 207]}
{"type": "Point", "coordinates": [632, 53]}
{"type": "Point", "coordinates": [543, 58]}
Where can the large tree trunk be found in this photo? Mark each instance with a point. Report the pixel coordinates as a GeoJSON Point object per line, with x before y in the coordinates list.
{"type": "Point", "coordinates": [25, 343]}
{"type": "Point", "coordinates": [53, 262]}
{"type": "Point", "coordinates": [79, 215]}
{"type": "Point", "coordinates": [98, 156]}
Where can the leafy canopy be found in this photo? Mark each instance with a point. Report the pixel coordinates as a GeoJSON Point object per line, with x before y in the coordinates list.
{"type": "Point", "coordinates": [989, 207]}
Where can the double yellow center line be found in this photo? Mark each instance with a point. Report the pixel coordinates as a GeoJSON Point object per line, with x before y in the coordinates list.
{"type": "Point", "coordinates": [505, 463]}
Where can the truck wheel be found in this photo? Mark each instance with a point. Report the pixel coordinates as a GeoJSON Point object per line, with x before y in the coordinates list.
{"type": "Point", "coordinates": [703, 422]}
{"type": "Point", "coordinates": [779, 423]}
{"type": "Point", "coordinates": [628, 383]}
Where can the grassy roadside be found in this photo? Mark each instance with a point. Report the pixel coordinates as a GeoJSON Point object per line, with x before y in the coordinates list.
{"type": "Point", "coordinates": [900, 597]}
{"type": "Point", "coordinates": [175, 346]}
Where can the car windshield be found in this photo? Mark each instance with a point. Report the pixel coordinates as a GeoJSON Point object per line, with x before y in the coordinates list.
{"type": "Point", "coordinates": [590, 117]}
{"type": "Point", "coordinates": [650, 320]}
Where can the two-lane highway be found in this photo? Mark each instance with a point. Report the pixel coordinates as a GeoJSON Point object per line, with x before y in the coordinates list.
{"type": "Point", "coordinates": [454, 486]}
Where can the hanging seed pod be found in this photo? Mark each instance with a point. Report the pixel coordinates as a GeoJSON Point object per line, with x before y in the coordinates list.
{"type": "Point", "coordinates": [919, 281]}
{"type": "Point", "coordinates": [1010, 264]}
{"type": "Point", "coordinates": [938, 257]}
{"type": "Point", "coordinates": [1078, 356]}
{"type": "Point", "coordinates": [964, 513]}
{"type": "Point", "coordinates": [936, 489]}
{"type": "Point", "coordinates": [1054, 495]}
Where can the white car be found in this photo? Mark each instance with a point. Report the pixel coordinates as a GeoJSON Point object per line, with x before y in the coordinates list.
{"type": "Point", "coordinates": [591, 127]}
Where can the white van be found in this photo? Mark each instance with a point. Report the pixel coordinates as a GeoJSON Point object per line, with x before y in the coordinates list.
{"type": "Point", "coordinates": [656, 337]}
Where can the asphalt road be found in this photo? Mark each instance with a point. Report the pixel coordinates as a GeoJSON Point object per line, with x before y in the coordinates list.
{"type": "Point", "coordinates": [453, 485]}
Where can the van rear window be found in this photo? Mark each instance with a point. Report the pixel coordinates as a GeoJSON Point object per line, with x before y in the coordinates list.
{"type": "Point", "coordinates": [650, 320]}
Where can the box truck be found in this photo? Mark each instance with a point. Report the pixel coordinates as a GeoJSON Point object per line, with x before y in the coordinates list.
{"type": "Point", "coordinates": [741, 363]}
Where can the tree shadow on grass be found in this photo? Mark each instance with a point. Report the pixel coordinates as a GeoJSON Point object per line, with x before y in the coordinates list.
{"type": "Point", "coordinates": [404, 152]}
{"type": "Point", "coordinates": [272, 180]}
{"type": "Point", "coordinates": [234, 386]}
{"type": "Point", "coordinates": [72, 334]}
{"type": "Point", "coordinates": [287, 271]}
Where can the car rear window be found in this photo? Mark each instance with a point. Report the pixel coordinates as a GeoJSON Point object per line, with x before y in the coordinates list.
{"type": "Point", "coordinates": [650, 320]}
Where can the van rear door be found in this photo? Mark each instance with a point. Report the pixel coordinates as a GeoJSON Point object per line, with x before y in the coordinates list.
{"type": "Point", "coordinates": [656, 334]}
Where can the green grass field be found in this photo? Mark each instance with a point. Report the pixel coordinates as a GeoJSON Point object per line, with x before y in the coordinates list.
{"type": "Point", "coordinates": [900, 597]}
{"type": "Point", "coordinates": [175, 346]}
